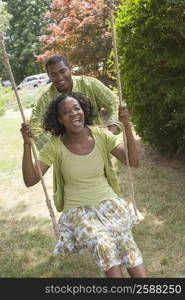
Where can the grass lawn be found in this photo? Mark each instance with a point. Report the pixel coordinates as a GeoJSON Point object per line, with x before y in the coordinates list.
{"type": "Point", "coordinates": [27, 239]}
{"type": "Point", "coordinates": [8, 99]}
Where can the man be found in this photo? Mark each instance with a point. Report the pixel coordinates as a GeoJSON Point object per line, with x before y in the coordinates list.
{"type": "Point", "coordinates": [59, 71]}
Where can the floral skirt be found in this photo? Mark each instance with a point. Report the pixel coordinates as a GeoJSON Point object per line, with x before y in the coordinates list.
{"type": "Point", "coordinates": [105, 230]}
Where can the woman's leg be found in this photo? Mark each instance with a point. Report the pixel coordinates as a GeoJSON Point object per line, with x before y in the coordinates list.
{"type": "Point", "coordinates": [114, 272]}
{"type": "Point", "coordinates": [137, 272]}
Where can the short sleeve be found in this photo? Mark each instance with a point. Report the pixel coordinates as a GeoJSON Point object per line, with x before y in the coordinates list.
{"type": "Point", "coordinates": [112, 141]}
{"type": "Point", "coordinates": [46, 154]}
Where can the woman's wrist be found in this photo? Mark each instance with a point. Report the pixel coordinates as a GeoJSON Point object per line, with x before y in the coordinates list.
{"type": "Point", "coordinates": [27, 143]}
{"type": "Point", "coordinates": [127, 125]}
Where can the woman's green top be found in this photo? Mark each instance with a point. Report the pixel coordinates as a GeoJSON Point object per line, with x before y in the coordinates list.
{"type": "Point", "coordinates": [65, 173]}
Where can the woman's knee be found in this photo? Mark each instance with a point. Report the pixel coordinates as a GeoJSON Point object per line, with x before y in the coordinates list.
{"type": "Point", "coordinates": [137, 271]}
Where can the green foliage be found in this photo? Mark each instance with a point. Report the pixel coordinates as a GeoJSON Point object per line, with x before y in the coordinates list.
{"type": "Point", "coordinates": [4, 17]}
{"type": "Point", "coordinates": [22, 41]}
{"type": "Point", "coordinates": [4, 24]}
{"type": "Point", "coordinates": [151, 37]}
{"type": "Point", "coordinates": [80, 32]}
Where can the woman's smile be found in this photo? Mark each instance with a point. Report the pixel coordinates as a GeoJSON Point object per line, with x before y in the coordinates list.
{"type": "Point", "coordinates": [76, 121]}
{"type": "Point", "coordinates": [71, 113]}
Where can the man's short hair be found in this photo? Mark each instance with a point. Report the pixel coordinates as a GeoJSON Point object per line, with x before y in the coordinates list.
{"type": "Point", "coordinates": [56, 58]}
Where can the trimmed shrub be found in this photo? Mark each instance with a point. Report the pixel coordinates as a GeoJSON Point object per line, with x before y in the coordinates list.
{"type": "Point", "coordinates": [151, 43]}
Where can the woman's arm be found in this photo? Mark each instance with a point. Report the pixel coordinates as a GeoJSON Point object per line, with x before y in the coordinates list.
{"type": "Point", "coordinates": [29, 169]}
{"type": "Point", "coordinates": [119, 151]}
{"type": "Point", "coordinates": [107, 100]}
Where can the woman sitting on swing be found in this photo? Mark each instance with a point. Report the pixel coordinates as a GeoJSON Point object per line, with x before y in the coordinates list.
{"type": "Point", "coordinates": [85, 184]}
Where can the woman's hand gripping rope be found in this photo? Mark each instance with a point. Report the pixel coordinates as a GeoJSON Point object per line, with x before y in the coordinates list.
{"type": "Point", "coordinates": [124, 115]}
{"type": "Point", "coordinates": [26, 133]}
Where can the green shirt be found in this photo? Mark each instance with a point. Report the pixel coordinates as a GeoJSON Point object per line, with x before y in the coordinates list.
{"type": "Point", "coordinates": [52, 154]}
{"type": "Point", "coordinates": [100, 96]}
{"type": "Point", "coordinates": [84, 186]}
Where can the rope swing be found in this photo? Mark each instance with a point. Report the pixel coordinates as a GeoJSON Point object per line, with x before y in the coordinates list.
{"type": "Point", "coordinates": [9, 70]}
{"type": "Point", "coordinates": [111, 6]}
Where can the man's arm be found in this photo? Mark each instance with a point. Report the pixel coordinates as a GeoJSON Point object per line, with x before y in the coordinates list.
{"type": "Point", "coordinates": [40, 137]}
{"type": "Point", "coordinates": [107, 103]}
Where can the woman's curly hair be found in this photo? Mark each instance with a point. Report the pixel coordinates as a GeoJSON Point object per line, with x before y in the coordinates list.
{"type": "Point", "coordinates": [50, 121]}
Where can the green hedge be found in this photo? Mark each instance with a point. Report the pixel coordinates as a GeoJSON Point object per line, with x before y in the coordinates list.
{"type": "Point", "coordinates": [151, 43]}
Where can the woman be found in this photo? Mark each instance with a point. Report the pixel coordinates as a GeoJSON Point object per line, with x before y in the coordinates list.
{"type": "Point", "coordinates": [85, 185]}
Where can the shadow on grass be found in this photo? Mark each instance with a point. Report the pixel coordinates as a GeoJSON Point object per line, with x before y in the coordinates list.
{"type": "Point", "coordinates": [27, 244]}
{"type": "Point", "coordinates": [160, 195]}
{"type": "Point", "coordinates": [26, 250]}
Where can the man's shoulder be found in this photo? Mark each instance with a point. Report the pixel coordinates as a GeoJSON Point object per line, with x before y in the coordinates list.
{"type": "Point", "coordinates": [54, 140]}
{"type": "Point", "coordinates": [86, 83]}
{"type": "Point", "coordinates": [44, 92]}
{"type": "Point", "coordinates": [46, 88]}
{"type": "Point", "coordinates": [84, 79]}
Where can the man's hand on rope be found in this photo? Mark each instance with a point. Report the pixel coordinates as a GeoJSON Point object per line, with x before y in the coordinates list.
{"type": "Point", "coordinates": [26, 133]}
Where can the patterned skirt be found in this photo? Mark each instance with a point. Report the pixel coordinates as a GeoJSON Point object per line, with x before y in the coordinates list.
{"type": "Point", "coordinates": [105, 230]}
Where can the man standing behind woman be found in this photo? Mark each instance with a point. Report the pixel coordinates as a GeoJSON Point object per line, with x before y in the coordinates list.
{"type": "Point", "coordinates": [86, 188]}
{"type": "Point", "coordinates": [59, 71]}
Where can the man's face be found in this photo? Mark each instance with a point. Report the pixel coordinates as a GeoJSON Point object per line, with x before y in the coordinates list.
{"type": "Point", "coordinates": [60, 75]}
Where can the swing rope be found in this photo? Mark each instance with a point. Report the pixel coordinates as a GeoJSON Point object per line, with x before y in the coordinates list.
{"type": "Point", "coordinates": [112, 8]}
{"type": "Point", "coordinates": [6, 62]}
{"type": "Point", "coordinates": [9, 70]}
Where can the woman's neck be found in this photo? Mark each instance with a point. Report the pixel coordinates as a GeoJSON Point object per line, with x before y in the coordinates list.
{"type": "Point", "coordinates": [79, 137]}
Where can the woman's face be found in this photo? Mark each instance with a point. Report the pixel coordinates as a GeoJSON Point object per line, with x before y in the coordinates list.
{"type": "Point", "coordinates": [71, 115]}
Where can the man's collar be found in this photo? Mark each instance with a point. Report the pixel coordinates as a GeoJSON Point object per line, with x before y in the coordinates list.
{"type": "Point", "coordinates": [74, 79]}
